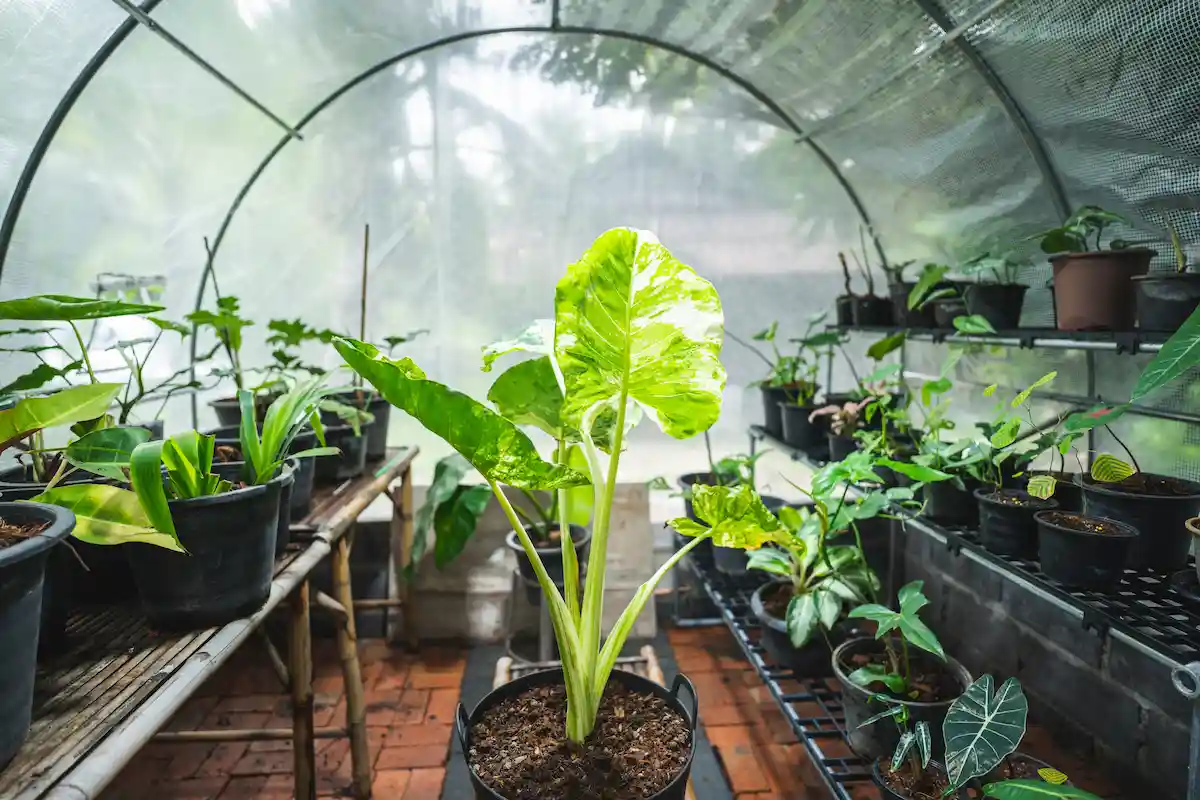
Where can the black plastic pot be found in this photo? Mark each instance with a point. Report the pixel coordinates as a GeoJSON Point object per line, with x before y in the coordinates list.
{"type": "Point", "coordinates": [798, 432]}
{"type": "Point", "coordinates": [810, 661]}
{"type": "Point", "coordinates": [676, 790]}
{"type": "Point", "coordinates": [352, 461]}
{"type": "Point", "coordinates": [300, 501]}
{"type": "Point", "coordinates": [155, 426]}
{"type": "Point", "coordinates": [947, 504]}
{"type": "Point", "coordinates": [772, 397]}
{"type": "Point", "coordinates": [550, 555]}
{"type": "Point", "coordinates": [1163, 540]}
{"type": "Point", "coordinates": [233, 471]}
{"type": "Point", "coordinates": [917, 317]}
{"type": "Point", "coordinates": [229, 411]}
{"type": "Point", "coordinates": [946, 310]}
{"type": "Point", "coordinates": [875, 741]}
{"type": "Point", "coordinates": [226, 575]}
{"type": "Point", "coordinates": [1082, 559]}
{"type": "Point", "coordinates": [844, 309]}
{"type": "Point", "coordinates": [869, 310]}
{"type": "Point", "coordinates": [1165, 300]}
{"type": "Point", "coordinates": [1007, 529]}
{"type": "Point", "coordinates": [22, 571]}
{"type": "Point", "coordinates": [998, 303]}
{"type": "Point", "coordinates": [733, 561]}
{"type": "Point", "coordinates": [377, 433]}
{"type": "Point", "coordinates": [841, 446]}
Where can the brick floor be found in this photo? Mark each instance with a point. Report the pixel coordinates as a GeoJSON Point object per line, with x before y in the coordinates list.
{"type": "Point", "coordinates": [755, 744]}
{"type": "Point", "coordinates": [410, 707]}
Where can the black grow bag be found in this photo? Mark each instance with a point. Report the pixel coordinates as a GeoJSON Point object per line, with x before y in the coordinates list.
{"type": "Point", "coordinates": [1007, 529]}
{"type": "Point", "coordinates": [377, 433]}
{"type": "Point", "coordinates": [226, 575]}
{"type": "Point", "coordinates": [810, 661]}
{"type": "Point", "coordinates": [22, 568]}
{"type": "Point", "coordinates": [351, 462]}
{"type": "Point", "coordinates": [800, 433]}
{"type": "Point", "coordinates": [1163, 540]}
{"type": "Point", "coordinates": [300, 500]}
{"type": "Point", "coordinates": [674, 791]}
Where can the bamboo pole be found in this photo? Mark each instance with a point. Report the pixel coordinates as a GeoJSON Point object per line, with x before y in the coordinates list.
{"type": "Point", "coordinates": [347, 640]}
{"type": "Point", "coordinates": [327, 603]}
{"type": "Point", "coordinates": [281, 669]}
{"type": "Point", "coordinates": [301, 668]}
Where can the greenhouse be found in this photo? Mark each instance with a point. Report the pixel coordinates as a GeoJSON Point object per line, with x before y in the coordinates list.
{"type": "Point", "coordinates": [563, 400]}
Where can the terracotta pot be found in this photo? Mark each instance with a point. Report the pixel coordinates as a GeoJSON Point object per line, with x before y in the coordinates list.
{"type": "Point", "coordinates": [1094, 291]}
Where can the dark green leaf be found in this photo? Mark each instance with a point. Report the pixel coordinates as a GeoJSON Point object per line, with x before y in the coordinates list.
{"type": "Point", "coordinates": [106, 451]}
{"type": "Point", "coordinates": [930, 277]}
{"type": "Point", "coordinates": [39, 376]}
{"type": "Point", "coordinates": [886, 345]}
{"type": "Point", "coordinates": [981, 729]}
{"type": "Point", "coordinates": [802, 619]}
{"type": "Point", "coordinates": [447, 474]}
{"type": "Point", "coordinates": [873, 673]}
{"type": "Point", "coordinates": [973, 324]}
{"type": "Point", "coordinates": [914, 471]}
{"type": "Point", "coordinates": [456, 520]}
{"type": "Point", "coordinates": [1179, 354]}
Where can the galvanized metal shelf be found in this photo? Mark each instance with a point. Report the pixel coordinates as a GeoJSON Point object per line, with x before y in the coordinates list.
{"type": "Point", "coordinates": [1110, 341]}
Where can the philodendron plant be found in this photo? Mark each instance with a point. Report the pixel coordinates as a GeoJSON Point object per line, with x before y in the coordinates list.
{"type": "Point", "coordinates": [634, 330]}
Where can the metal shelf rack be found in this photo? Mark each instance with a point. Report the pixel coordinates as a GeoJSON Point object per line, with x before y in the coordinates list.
{"type": "Point", "coordinates": [1131, 342]}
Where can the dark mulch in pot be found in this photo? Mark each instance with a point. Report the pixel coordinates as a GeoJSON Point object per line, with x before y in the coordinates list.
{"type": "Point", "coordinates": [928, 785]}
{"type": "Point", "coordinates": [776, 599]}
{"type": "Point", "coordinates": [1077, 522]}
{"type": "Point", "coordinates": [11, 534]}
{"type": "Point", "coordinates": [930, 681]}
{"type": "Point", "coordinates": [520, 750]}
{"type": "Point", "coordinates": [1154, 485]}
{"type": "Point", "coordinates": [1012, 769]}
{"type": "Point", "coordinates": [1009, 498]}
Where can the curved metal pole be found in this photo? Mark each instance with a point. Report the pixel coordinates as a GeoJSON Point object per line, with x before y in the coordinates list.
{"type": "Point", "coordinates": [17, 201]}
{"type": "Point", "coordinates": [1012, 108]}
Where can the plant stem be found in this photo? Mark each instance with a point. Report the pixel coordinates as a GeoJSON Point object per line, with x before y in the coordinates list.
{"type": "Point", "coordinates": [751, 348]}
{"type": "Point", "coordinates": [570, 561]}
{"type": "Point", "coordinates": [712, 467]}
{"type": "Point", "coordinates": [1117, 439]}
{"type": "Point", "coordinates": [87, 362]}
{"type": "Point", "coordinates": [907, 666]}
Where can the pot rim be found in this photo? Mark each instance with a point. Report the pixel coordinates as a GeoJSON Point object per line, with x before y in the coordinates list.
{"type": "Point", "coordinates": [1129, 532]}
{"type": "Point", "coordinates": [515, 545]}
{"type": "Point", "coordinates": [1093, 254]}
{"type": "Point", "coordinates": [1167, 276]}
{"type": "Point", "coordinates": [809, 407]}
{"type": "Point", "coordinates": [225, 498]}
{"type": "Point", "coordinates": [960, 672]}
{"type": "Point", "coordinates": [62, 523]}
{"type": "Point", "coordinates": [1091, 486]}
{"type": "Point", "coordinates": [1193, 526]}
{"type": "Point", "coordinates": [983, 495]}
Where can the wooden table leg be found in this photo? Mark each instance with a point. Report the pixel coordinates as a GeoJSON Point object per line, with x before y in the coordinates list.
{"type": "Point", "coordinates": [402, 547]}
{"type": "Point", "coordinates": [347, 640]}
{"type": "Point", "coordinates": [301, 668]}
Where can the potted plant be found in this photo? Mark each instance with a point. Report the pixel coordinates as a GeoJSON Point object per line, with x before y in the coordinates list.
{"type": "Point", "coordinates": [226, 530]}
{"type": "Point", "coordinates": [950, 501]}
{"type": "Point", "coordinates": [909, 668]}
{"type": "Point", "coordinates": [1166, 299]}
{"type": "Point", "coordinates": [844, 422]}
{"type": "Point", "coordinates": [995, 295]}
{"type": "Point", "coordinates": [138, 389]}
{"type": "Point", "coordinates": [948, 307]}
{"type": "Point", "coordinates": [844, 303]}
{"type": "Point", "coordinates": [227, 324]}
{"type": "Point", "coordinates": [1092, 286]}
{"type": "Point", "coordinates": [633, 328]}
{"type": "Point", "coordinates": [1084, 551]}
{"type": "Point", "coordinates": [867, 310]}
{"type": "Point", "coordinates": [911, 300]}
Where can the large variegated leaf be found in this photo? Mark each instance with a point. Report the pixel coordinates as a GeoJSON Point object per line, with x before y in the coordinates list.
{"type": "Point", "coordinates": [108, 515]}
{"type": "Point", "coordinates": [47, 307]}
{"type": "Point", "coordinates": [538, 338]}
{"type": "Point", "coordinates": [634, 322]}
{"type": "Point", "coordinates": [527, 394]}
{"type": "Point", "coordinates": [982, 728]}
{"type": "Point", "coordinates": [61, 408]}
{"type": "Point", "coordinates": [106, 451]}
{"type": "Point", "coordinates": [493, 445]}
{"type": "Point", "coordinates": [735, 516]}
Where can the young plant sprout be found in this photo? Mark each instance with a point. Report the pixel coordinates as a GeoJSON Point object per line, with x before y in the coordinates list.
{"type": "Point", "coordinates": [1075, 235]}
{"type": "Point", "coordinates": [911, 631]}
{"type": "Point", "coordinates": [634, 328]}
{"type": "Point", "coordinates": [227, 325]}
{"type": "Point", "coordinates": [796, 373]}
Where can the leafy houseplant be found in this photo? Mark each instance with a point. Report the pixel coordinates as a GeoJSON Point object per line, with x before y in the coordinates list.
{"type": "Point", "coordinates": [867, 309]}
{"type": "Point", "coordinates": [1166, 299]}
{"type": "Point", "coordinates": [1092, 286]}
{"type": "Point", "coordinates": [844, 421]}
{"type": "Point", "coordinates": [908, 666]}
{"type": "Point", "coordinates": [912, 299]}
{"type": "Point", "coordinates": [995, 295]}
{"type": "Point", "coordinates": [633, 328]}
{"type": "Point", "coordinates": [844, 303]}
{"type": "Point", "coordinates": [227, 324]}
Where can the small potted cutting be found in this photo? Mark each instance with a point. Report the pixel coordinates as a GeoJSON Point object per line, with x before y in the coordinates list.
{"type": "Point", "coordinates": [226, 529]}
{"type": "Point", "coordinates": [1093, 287]}
{"type": "Point", "coordinates": [844, 302]}
{"type": "Point", "coordinates": [909, 668]}
{"type": "Point", "coordinates": [847, 420]}
{"type": "Point", "coordinates": [868, 310]}
{"type": "Point", "coordinates": [913, 301]}
{"type": "Point", "coordinates": [948, 501]}
{"type": "Point", "coordinates": [995, 295]}
{"type": "Point", "coordinates": [634, 328]}
{"type": "Point", "coordinates": [227, 325]}
{"type": "Point", "coordinates": [1166, 299]}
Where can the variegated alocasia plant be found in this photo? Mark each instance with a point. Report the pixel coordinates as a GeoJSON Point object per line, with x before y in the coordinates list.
{"type": "Point", "coordinates": [635, 332]}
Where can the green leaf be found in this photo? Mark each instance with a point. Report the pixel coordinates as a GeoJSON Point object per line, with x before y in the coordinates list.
{"type": "Point", "coordinates": [528, 394]}
{"type": "Point", "coordinates": [981, 729]}
{"type": "Point", "coordinates": [580, 500]}
{"type": "Point", "coordinates": [456, 520]}
{"type": "Point", "coordinates": [1021, 398]}
{"type": "Point", "coordinates": [930, 388]}
{"type": "Point", "coordinates": [1026, 789]}
{"type": "Point", "coordinates": [930, 277]}
{"type": "Point", "coordinates": [767, 334]}
{"type": "Point", "coordinates": [881, 374]}
{"type": "Point", "coordinates": [39, 376]}
{"type": "Point", "coordinates": [106, 451]}
{"type": "Point", "coordinates": [1107, 468]}
{"type": "Point", "coordinates": [802, 619]}
{"type": "Point", "coordinates": [447, 474]}
{"type": "Point", "coordinates": [633, 322]}
{"type": "Point", "coordinates": [822, 339]}
{"type": "Point", "coordinates": [108, 515]}
{"type": "Point", "coordinates": [915, 471]}
{"type": "Point", "coordinates": [63, 308]}
{"type": "Point", "coordinates": [886, 345]}
{"type": "Point", "coordinates": [829, 606]}
{"type": "Point", "coordinates": [1083, 421]}
{"type": "Point", "coordinates": [873, 673]}
{"type": "Point", "coordinates": [64, 407]}
{"type": "Point", "coordinates": [891, 711]}
{"type": "Point", "coordinates": [768, 559]}
{"type": "Point", "coordinates": [924, 742]}
{"type": "Point", "coordinates": [1007, 434]}
{"type": "Point", "coordinates": [905, 621]}
{"type": "Point", "coordinates": [170, 325]}
{"type": "Point", "coordinates": [685, 526]}
{"type": "Point", "coordinates": [907, 741]}
{"type": "Point", "coordinates": [736, 516]}
{"type": "Point", "coordinates": [973, 324]}
{"type": "Point", "coordinates": [538, 338]}
{"type": "Point", "coordinates": [989, 391]}
{"type": "Point", "coordinates": [1041, 486]}
{"type": "Point", "coordinates": [1177, 355]}
{"type": "Point", "coordinates": [493, 445]}
{"type": "Point", "coordinates": [1060, 240]}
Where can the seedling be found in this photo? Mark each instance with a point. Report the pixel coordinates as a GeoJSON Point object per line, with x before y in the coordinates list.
{"type": "Point", "coordinates": [911, 630]}
{"type": "Point", "coordinates": [1077, 233]}
{"type": "Point", "coordinates": [796, 372]}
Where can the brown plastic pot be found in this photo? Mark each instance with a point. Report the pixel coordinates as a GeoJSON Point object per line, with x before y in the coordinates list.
{"type": "Point", "coordinates": [1094, 291]}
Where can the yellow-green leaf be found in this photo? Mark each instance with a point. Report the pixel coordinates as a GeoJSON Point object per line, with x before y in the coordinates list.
{"type": "Point", "coordinates": [107, 515]}
{"type": "Point", "coordinates": [61, 408]}
{"type": "Point", "coordinates": [1107, 468]}
{"type": "Point", "coordinates": [1041, 486]}
{"type": "Point", "coordinates": [1020, 399]}
{"type": "Point", "coordinates": [1051, 775]}
{"type": "Point", "coordinates": [989, 391]}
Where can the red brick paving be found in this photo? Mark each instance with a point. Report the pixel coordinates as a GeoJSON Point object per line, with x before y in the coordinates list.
{"type": "Point", "coordinates": [410, 708]}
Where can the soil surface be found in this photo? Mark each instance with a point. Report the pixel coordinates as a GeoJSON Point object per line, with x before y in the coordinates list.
{"type": "Point", "coordinates": [928, 785]}
{"type": "Point", "coordinates": [776, 599]}
{"type": "Point", "coordinates": [1078, 522]}
{"type": "Point", "coordinates": [1010, 498]}
{"type": "Point", "coordinates": [930, 681]}
{"type": "Point", "coordinates": [11, 533]}
{"type": "Point", "coordinates": [1154, 485]}
{"type": "Point", "coordinates": [520, 750]}
{"type": "Point", "coordinates": [553, 540]}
